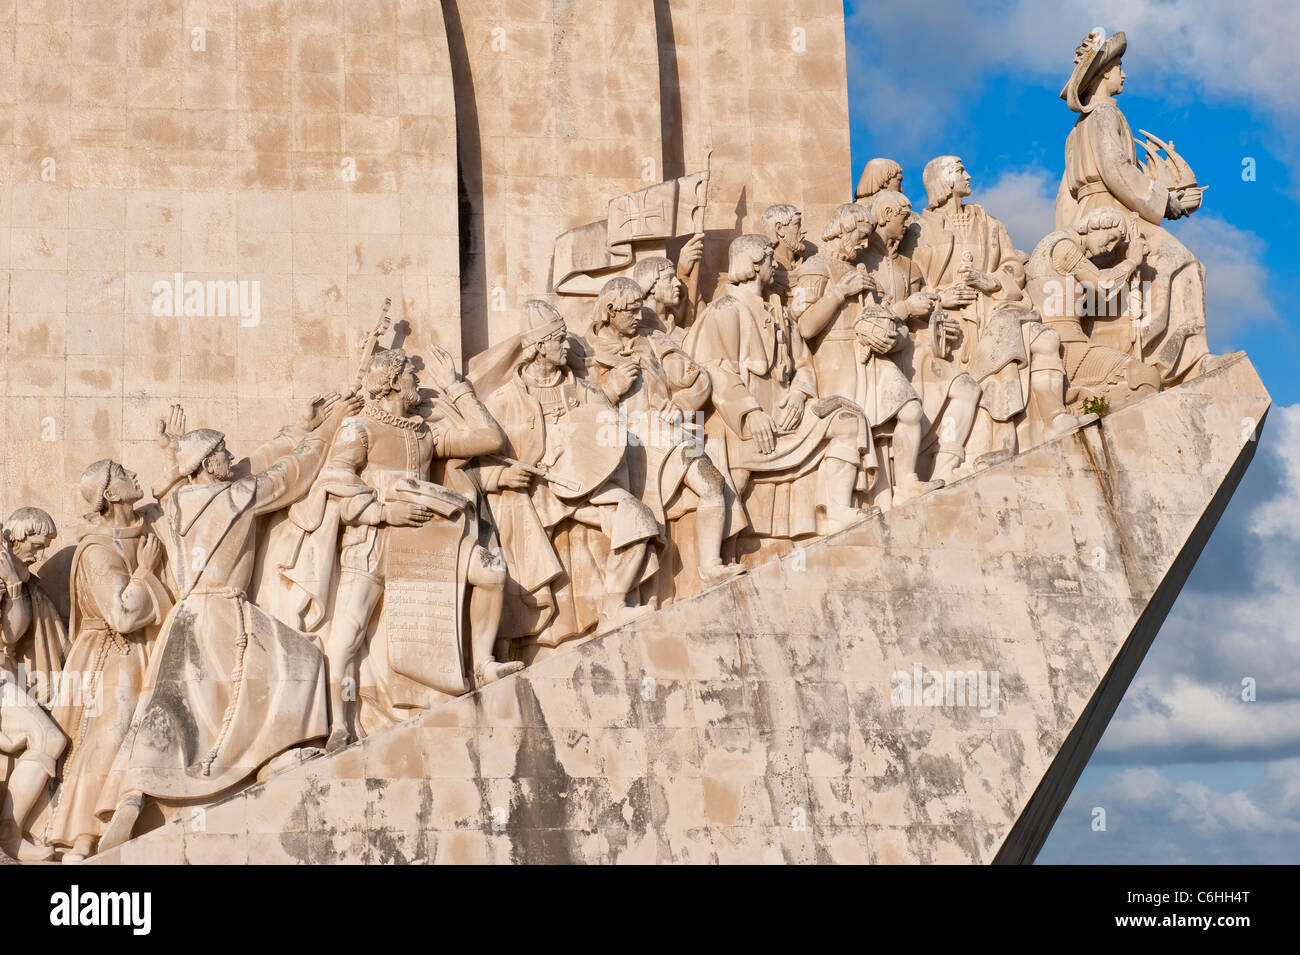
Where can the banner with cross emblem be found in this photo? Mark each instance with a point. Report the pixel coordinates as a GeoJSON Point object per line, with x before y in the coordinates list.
{"type": "Point", "coordinates": [586, 257]}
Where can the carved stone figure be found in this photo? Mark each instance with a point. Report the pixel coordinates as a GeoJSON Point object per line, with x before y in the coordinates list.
{"type": "Point", "coordinates": [1102, 169]}
{"type": "Point", "coordinates": [376, 494]}
{"type": "Point", "coordinates": [229, 687]}
{"type": "Point", "coordinates": [783, 227]}
{"type": "Point", "coordinates": [967, 256]}
{"type": "Point", "coordinates": [27, 732]}
{"type": "Point", "coordinates": [117, 601]}
{"type": "Point", "coordinates": [949, 396]}
{"type": "Point", "coordinates": [671, 292]}
{"type": "Point", "coordinates": [584, 257]}
{"type": "Point", "coordinates": [39, 653]}
{"type": "Point", "coordinates": [886, 175]}
{"type": "Point", "coordinates": [1067, 287]}
{"type": "Point", "coordinates": [578, 542]}
{"type": "Point", "coordinates": [792, 455]}
{"type": "Point", "coordinates": [658, 389]}
{"type": "Point", "coordinates": [828, 300]}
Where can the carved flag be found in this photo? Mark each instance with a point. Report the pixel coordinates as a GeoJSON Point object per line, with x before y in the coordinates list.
{"type": "Point", "coordinates": [585, 256]}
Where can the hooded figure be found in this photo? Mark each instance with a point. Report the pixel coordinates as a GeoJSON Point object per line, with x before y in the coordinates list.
{"type": "Point", "coordinates": [117, 601]}
{"type": "Point", "coordinates": [229, 686]}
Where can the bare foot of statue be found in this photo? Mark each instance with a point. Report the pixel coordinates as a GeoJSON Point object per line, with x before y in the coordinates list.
{"type": "Point", "coordinates": [79, 852]}
{"type": "Point", "coordinates": [713, 574]}
{"type": "Point", "coordinates": [338, 739]}
{"type": "Point", "coordinates": [1065, 423]}
{"type": "Point", "coordinates": [840, 518]}
{"type": "Point", "coordinates": [29, 851]}
{"type": "Point", "coordinates": [122, 824]}
{"type": "Point", "coordinates": [993, 457]}
{"type": "Point", "coordinates": [23, 850]}
{"type": "Point", "coordinates": [489, 671]}
{"type": "Point", "coordinates": [908, 490]}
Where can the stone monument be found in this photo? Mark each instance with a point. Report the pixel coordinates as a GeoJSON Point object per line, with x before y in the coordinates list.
{"type": "Point", "coordinates": [639, 528]}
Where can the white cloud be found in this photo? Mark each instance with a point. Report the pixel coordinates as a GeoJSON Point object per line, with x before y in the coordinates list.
{"type": "Point", "coordinates": [1184, 712]}
{"type": "Point", "coordinates": [1187, 695]}
{"type": "Point", "coordinates": [1278, 519]}
{"type": "Point", "coordinates": [1236, 281]}
{"type": "Point", "coordinates": [1153, 817]}
{"type": "Point", "coordinates": [1025, 201]}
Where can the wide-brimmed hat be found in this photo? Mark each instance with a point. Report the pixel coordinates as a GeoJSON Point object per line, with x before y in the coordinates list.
{"type": "Point", "coordinates": [1092, 58]}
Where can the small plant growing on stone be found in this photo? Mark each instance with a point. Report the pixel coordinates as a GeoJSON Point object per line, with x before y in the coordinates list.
{"type": "Point", "coordinates": [1098, 406]}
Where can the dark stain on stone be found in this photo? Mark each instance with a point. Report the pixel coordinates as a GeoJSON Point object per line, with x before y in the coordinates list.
{"type": "Point", "coordinates": [1107, 477]}
{"type": "Point", "coordinates": [538, 822]}
{"type": "Point", "coordinates": [296, 844]}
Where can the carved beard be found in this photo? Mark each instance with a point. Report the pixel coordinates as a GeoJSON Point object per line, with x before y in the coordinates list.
{"type": "Point", "coordinates": [410, 397]}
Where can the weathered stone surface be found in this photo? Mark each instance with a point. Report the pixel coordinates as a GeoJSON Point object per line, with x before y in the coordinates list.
{"type": "Point", "coordinates": [755, 721]}
{"type": "Point", "coordinates": [765, 82]}
{"type": "Point", "coordinates": [309, 149]}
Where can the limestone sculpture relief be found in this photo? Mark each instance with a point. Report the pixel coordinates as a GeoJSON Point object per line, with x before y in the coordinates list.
{"type": "Point", "coordinates": [398, 545]}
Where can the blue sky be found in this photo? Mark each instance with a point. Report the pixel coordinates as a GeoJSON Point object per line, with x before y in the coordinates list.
{"type": "Point", "coordinates": [1187, 771]}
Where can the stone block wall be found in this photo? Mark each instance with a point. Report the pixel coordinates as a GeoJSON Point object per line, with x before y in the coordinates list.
{"type": "Point", "coordinates": [306, 148]}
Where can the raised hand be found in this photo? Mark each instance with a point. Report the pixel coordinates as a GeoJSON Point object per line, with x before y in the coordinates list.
{"type": "Point", "coordinates": [877, 336]}
{"type": "Point", "coordinates": [441, 367]}
{"type": "Point", "coordinates": [172, 427]}
{"type": "Point", "coordinates": [854, 282]}
{"type": "Point", "coordinates": [691, 254]}
{"type": "Point", "coordinates": [978, 280]}
{"type": "Point", "coordinates": [1174, 208]}
{"type": "Point", "coordinates": [957, 296]}
{"type": "Point", "coordinates": [919, 304]}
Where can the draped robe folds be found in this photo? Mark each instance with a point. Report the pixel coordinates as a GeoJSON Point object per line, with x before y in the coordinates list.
{"type": "Point", "coordinates": [844, 365]}
{"type": "Point", "coordinates": [228, 685]}
{"type": "Point", "coordinates": [658, 454]}
{"type": "Point", "coordinates": [1101, 169]}
{"type": "Point", "coordinates": [1058, 275]}
{"type": "Point", "coordinates": [995, 344]}
{"type": "Point", "coordinates": [21, 714]}
{"type": "Point", "coordinates": [339, 527]}
{"type": "Point", "coordinates": [555, 565]}
{"type": "Point", "coordinates": [39, 653]}
{"type": "Point", "coordinates": [931, 376]}
{"type": "Point", "coordinates": [108, 661]}
{"type": "Point", "coordinates": [755, 356]}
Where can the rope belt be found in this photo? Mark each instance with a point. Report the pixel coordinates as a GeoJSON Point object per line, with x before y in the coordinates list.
{"type": "Point", "coordinates": [1089, 189]}
{"type": "Point", "coordinates": [236, 674]}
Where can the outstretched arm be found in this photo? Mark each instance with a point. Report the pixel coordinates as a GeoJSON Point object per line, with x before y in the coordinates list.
{"type": "Point", "coordinates": [480, 435]}
{"type": "Point", "coordinates": [292, 474]}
